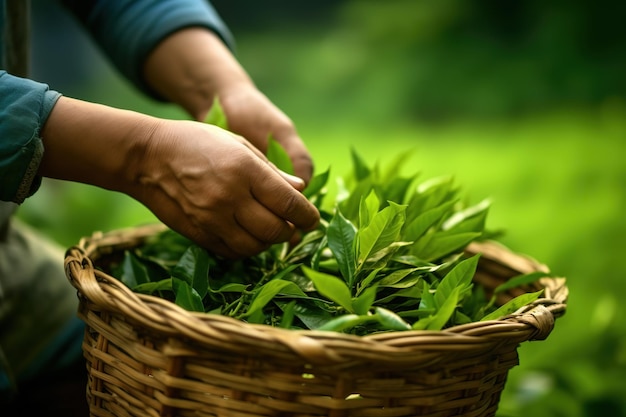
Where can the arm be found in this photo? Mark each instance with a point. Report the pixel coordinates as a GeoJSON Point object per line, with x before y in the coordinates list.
{"type": "Point", "coordinates": [202, 181]}
{"type": "Point", "coordinates": [193, 65]}
{"type": "Point", "coordinates": [180, 51]}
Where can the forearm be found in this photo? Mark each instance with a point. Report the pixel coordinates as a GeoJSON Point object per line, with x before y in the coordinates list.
{"type": "Point", "coordinates": [94, 144]}
{"type": "Point", "coordinates": [190, 67]}
{"type": "Point", "coordinates": [128, 30]}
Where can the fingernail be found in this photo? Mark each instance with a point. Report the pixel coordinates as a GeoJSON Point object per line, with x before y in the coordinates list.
{"type": "Point", "coordinates": [292, 177]}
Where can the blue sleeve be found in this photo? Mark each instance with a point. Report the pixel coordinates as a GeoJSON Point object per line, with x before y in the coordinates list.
{"type": "Point", "coordinates": [128, 30]}
{"type": "Point", "coordinates": [24, 108]}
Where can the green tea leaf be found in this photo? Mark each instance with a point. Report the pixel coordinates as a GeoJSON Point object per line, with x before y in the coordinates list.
{"type": "Point", "coordinates": [317, 183]}
{"type": "Point", "coordinates": [329, 265]}
{"type": "Point", "coordinates": [390, 320]}
{"type": "Point", "coordinates": [340, 235]}
{"type": "Point", "coordinates": [475, 304]}
{"type": "Point", "coordinates": [347, 321]}
{"type": "Point", "coordinates": [270, 290]}
{"type": "Point", "coordinates": [286, 271]}
{"type": "Point", "coordinates": [310, 313]}
{"type": "Point", "coordinates": [380, 258]}
{"type": "Point", "coordinates": [193, 268]}
{"type": "Point", "coordinates": [396, 189]}
{"type": "Point", "coordinates": [443, 314]}
{"type": "Point", "coordinates": [187, 297]}
{"type": "Point", "coordinates": [471, 219]}
{"type": "Point", "coordinates": [411, 295]}
{"type": "Point", "coordinates": [133, 271]}
{"type": "Point", "coordinates": [410, 281]}
{"type": "Point", "coordinates": [420, 224]}
{"type": "Point", "coordinates": [361, 170]}
{"type": "Point", "coordinates": [513, 305]}
{"type": "Point", "coordinates": [460, 277]}
{"type": "Point", "coordinates": [310, 243]}
{"type": "Point", "coordinates": [216, 115]}
{"type": "Point", "coordinates": [460, 318]}
{"type": "Point", "coordinates": [382, 231]}
{"type": "Point", "coordinates": [316, 258]}
{"type": "Point", "coordinates": [440, 246]}
{"type": "Point", "coordinates": [152, 287]}
{"type": "Point", "coordinates": [520, 280]}
{"type": "Point", "coordinates": [432, 193]}
{"type": "Point", "coordinates": [364, 302]}
{"type": "Point", "coordinates": [427, 301]}
{"type": "Point", "coordinates": [288, 314]}
{"type": "Point", "coordinates": [393, 279]}
{"type": "Point", "coordinates": [230, 287]}
{"type": "Point", "coordinates": [367, 281]}
{"type": "Point", "coordinates": [350, 206]}
{"type": "Point", "coordinates": [277, 155]}
{"type": "Point", "coordinates": [162, 251]}
{"type": "Point", "coordinates": [368, 208]}
{"type": "Point", "coordinates": [201, 260]}
{"type": "Point", "coordinates": [331, 287]}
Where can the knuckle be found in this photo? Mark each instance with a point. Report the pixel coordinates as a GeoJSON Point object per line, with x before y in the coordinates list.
{"type": "Point", "coordinates": [276, 232]}
{"type": "Point", "coordinates": [290, 203]}
{"type": "Point", "coordinates": [244, 246]}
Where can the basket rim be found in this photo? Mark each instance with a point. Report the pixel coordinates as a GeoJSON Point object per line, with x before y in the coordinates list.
{"type": "Point", "coordinates": [103, 294]}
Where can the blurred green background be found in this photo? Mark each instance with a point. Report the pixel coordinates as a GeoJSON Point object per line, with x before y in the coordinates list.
{"type": "Point", "coordinates": [522, 102]}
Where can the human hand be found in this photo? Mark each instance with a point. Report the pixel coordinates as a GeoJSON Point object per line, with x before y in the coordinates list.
{"type": "Point", "coordinates": [252, 115]}
{"type": "Point", "coordinates": [192, 67]}
{"type": "Point", "coordinates": [204, 182]}
{"type": "Point", "coordinates": [217, 189]}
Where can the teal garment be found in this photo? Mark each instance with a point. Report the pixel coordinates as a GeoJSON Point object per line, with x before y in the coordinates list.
{"type": "Point", "coordinates": [39, 331]}
{"type": "Point", "coordinates": [24, 108]}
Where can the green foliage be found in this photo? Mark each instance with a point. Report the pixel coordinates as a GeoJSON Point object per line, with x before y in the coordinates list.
{"type": "Point", "coordinates": [387, 256]}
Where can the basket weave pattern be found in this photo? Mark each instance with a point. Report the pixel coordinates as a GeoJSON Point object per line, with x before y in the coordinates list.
{"type": "Point", "coordinates": [145, 356]}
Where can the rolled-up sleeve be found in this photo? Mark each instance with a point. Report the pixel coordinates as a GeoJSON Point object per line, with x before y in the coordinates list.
{"type": "Point", "coordinates": [24, 108]}
{"type": "Point", "coordinates": [128, 30]}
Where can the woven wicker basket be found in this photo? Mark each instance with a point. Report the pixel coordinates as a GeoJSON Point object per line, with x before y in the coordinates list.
{"type": "Point", "coordinates": [145, 356]}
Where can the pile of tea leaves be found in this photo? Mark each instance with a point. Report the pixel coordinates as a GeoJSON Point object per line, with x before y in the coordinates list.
{"type": "Point", "coordinates": [388, 255]}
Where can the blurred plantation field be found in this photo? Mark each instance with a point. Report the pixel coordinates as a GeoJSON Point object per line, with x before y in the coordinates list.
{"type": "Point", "coordinates": [551, 159]}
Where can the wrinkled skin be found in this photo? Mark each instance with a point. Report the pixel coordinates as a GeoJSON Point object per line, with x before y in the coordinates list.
{"type": "Point", "coordinates": [221, 191]}
{"type": "Point", "coordinates": [207, 183]}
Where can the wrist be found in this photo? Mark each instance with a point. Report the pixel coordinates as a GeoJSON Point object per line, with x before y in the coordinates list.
{"type": "Point", "coordinates": [191, 67]}
{"type": "Point", "coordinates": [94, 144]}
